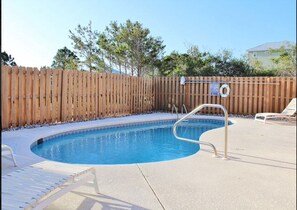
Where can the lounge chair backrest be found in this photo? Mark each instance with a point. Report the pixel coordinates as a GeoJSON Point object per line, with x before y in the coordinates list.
{"type": "Point", "coordinates": [6, 150]}
{"type": "Point", "coordinates": [36, 188]}
{"type": "Point", "coordinates": [291, 108]}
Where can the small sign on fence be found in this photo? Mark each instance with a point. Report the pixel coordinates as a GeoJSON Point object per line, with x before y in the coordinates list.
{"type": "Point", "coordinates": [214, 88]}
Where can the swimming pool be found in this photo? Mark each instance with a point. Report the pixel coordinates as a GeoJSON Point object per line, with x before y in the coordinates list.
{"type": "Point", "coordinates": [124, 144]}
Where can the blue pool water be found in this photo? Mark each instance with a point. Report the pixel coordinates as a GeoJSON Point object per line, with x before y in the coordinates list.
{"type": "Point", "coordinates": [138, 143]}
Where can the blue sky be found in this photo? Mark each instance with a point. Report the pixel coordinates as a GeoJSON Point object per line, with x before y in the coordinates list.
{"type": "Point", "coordinates": [33, 30]}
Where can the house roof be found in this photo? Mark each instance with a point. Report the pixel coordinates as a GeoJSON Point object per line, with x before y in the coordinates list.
{"type": "Point", "coordinates": [272, 45]}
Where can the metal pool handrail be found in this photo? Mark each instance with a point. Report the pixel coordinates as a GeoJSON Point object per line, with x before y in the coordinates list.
{"type": "Point", "coordinates": [201, 142]}
{"type": "Point", "coordinates": [176, 110]}
{"type": "Point", "coordinates": [185, 108]}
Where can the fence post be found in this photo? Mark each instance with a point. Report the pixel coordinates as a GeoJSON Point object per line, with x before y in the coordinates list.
{"type": "Point", "coordinates": [63, 109]}
{"type": "Point", "coordinates": [4, 96]}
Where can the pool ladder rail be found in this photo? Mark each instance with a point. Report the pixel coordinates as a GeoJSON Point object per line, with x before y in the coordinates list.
{"type": "Point", "coordinates": [176, 110]}
{"type": "Point", "coordinates": [202, 142]}
{"type": "Point", "coordinates": [184, 108]}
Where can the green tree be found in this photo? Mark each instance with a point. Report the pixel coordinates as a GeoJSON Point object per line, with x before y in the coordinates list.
{"type": "Point", "coordinates": [286, 61]}
{"type": "Point", "coordinates": [109, 45]}
{"type": "Point", "coordinates": [174, 64]}
{"type": "Point", "coordinates": [197, 63]}
{"type": "Point", "coordinates": [84, 42]}
{"type": "Point", "coordinates": [226, 65]}
{"type": "Point", "coordinates": [65, 59]}
{"type": "Point", "coordinates": [7, 59]}
{"type": "Point", "coordinates": [257, 65]}
{"type": "Point", "coordinates": [131, 46]}
{"type": "Point", "coordinates": [192, 63]}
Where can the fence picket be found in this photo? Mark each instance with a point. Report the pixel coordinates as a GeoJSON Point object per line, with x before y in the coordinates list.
{"type": "Point", "coordinates": [5, 90]}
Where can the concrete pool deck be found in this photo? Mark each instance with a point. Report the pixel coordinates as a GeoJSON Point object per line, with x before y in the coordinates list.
{"type": "Point", "coordinates": [260, 172]}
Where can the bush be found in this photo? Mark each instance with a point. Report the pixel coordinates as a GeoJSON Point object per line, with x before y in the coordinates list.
{"type": "Point", "coordinates": [265, 73]}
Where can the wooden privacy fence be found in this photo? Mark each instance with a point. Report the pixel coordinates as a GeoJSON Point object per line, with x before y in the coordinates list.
{"type": "Point", "coordinates": [248, 95]}
{"type": "Point", "coordinates": [30, 96]}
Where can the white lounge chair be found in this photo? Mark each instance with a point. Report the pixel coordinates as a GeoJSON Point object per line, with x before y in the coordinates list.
{"type": "Point", "coordinates": [6, 150]}
{"type": "Point", "coordinates": [35, 188]}
{"type": "Point", "coordinates": [288, 112]}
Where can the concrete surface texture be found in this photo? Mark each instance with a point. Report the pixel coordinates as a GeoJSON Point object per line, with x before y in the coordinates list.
{"type": "Point", "coordinates": [259, 174]}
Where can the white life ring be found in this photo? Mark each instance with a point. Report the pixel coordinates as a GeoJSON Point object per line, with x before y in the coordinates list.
{"type": "Point", "coordinates": [224, 86]}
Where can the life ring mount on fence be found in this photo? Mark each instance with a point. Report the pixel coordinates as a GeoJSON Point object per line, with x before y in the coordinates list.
{"type": "Point", "coordinates": [224, 86]}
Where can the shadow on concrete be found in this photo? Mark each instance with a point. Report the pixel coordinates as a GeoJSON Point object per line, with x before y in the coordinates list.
{"type": "Point", "coordinates": [280, 122]}
{"type": "Point", "coordinates": [107, 202]}
{"type": "Point", "coordinates": [258, 160]}
{"type": "Point", "coordinates": [263, 158]}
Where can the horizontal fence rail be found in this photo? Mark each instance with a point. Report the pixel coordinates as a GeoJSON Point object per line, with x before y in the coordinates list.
{"type": "Point", "coordinates": [30, 96]}
{"type": "Point", "coordinates": [247, 95]}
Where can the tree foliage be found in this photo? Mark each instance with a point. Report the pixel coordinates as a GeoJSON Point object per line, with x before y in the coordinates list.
{"type": "Point", "coordinates": [112, 49]}
{"type": "Point", "coordinates": [197, 63]}
{"type": "Point", "coordinates": [84, 43]}
{"type": "Point", "coordinates": [7, 60]}
{"type": "Point", "coordinates": [286, 61]}
{"type": "Point", "coordinates": [226, 65]}
{"type": "Point", "coordinates": [65, 59]}
{"type": "Point", "coordinates": [131, 46]}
